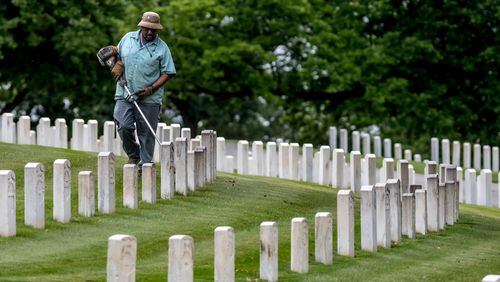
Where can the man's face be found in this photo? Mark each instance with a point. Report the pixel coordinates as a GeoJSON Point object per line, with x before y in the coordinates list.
{"type": "Point", "coordinates": [148, 34]}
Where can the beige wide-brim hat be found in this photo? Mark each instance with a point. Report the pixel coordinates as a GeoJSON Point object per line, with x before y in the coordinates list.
{"type": "Point", "coordinates": [150, 20]}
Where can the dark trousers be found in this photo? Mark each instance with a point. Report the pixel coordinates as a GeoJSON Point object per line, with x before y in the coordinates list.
{"type": "Point", "coordinates": [125, 115]}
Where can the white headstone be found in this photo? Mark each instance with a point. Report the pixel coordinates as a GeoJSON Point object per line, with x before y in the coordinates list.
{"type": "Point", "coordinates": [398, 153]}
{"type": "Point", "coordinates": [180, 258]}
{"type": "Point", "coordinates": [86, 202]}
{"type": "Point", "coordinates": [307, 162]}
{"type": "Point", "coordinates": [200, 166]}
{"type": "Point", "coordinates": [456, 153]}
{"type": "Point", "coordinates": [477, 157]}
{"type": "Point", "coordinates": [467, 158]}
{"type": "Point", "coordinates": [407, 155]}
{"type": "Point", "coordinates": [224, 254]}
{"type": "Point", "coordinates": [345, 223]}
{"type": "Point", "coordinates": [283, 160]}
{"type": "Point", "coordinates": [435, 149]}
{"type": "Point", "coordinates": [242, 157]}
{"type": "Point", "coordinates": [130, 180]}
{"type": "Point", "coordinates": [229, 164]}
{"type": "Point", "coordinates": [387, 171]}
{"type": "Point", "coordinates": [167, 170]}
{"type": "Point", "coordinates": [34, 195]}
{"type": "Point", "coordinates": [408, 213]}
{"type": "Point", "coordinates": [337, 168]}
{"type": "Point", "coordinates": [159, 133]}
{"type": "Point", "coordinates": [368, 219]}
{"type": "Point", "coordinates": [271, 160]}
{"type": "Point", "coordinates": [333, 137]}
{"type": "Point", "coordinates": [23, 130]}
{"type": "Point", "coordinates": [450, 202]}
{"type": "Point", "coordinates": [355, 166]}
{"type": "Point", "coordinates": [316, 167]}
{"type": "Point", "coordinates": [383, 207]}
{"type": "Point", "coordinates": [258, 158]}
{"type": "Point", "coordinates": [417, 158]}
{"type": "Point", "coordinates": [190, 171]}
{"type": "Point", "coordinates": [61, 133]}
{"type": "Point", "coordinates": [269, 251]}
{"type": "Point", "coordinates": [175, 131]}
{"type": "Point", "coordinates": [470, 187]}
{"type": "Point", "coordinates": [122, 253]}
{"type": "Point", "coordinates": [194, 143]}
{"type": "Point", "coordinates": [77, 137]}
{"type": "Point", "coordinates": [377, 144]}
{"type": "Point", "coordinates": [180, 163]}
{"type": "Point", "coordinates": [366, 144]}
{"type": "Point", "coordinates": [149, 183]}
{"type": "Point", "coordinates": [495, 159]}
{"type": "Point", "coordinates": [106, 182]}
{"type": "Point", "coordinates": [293, 161]}
{"type": "Point", "coordinates": [323, 237]}
{"type": "Point", "coordinates": [491, 278]}
{"type": "Point", "coordinates": [7, 203]}
{"type": "Point", "coordinates": [300, 245]}
{"type": "Point", "coordinates": [387, 148]}
{"type": "Point", "coordinates": [42, 131]}
{"type": "Point", "coordinates": [209, 142]}
{"type": "Point", "coordinates": [109, 136]}
{"type": "Point", "coordinates": [445, 150]}
{"type": "Point", "coordinates": [395, 204]}
{"type": "Point", "coordinates": [421, 211]}
{"type": "Point", "coordinates": [90, 136]}
{"type": "Point", "coordinates": [486, 157]}
{"type": "Point", "coordinates": [344, 145]}
{"type": "Point", "coordinates": [371, 169]}
{"type": "Point", "coordinates": [62, 191]}
{"type": "Point", "coordinates": [32, 137]}
{"type": "Point", "coordinates": [484, 188]}
{"type": "Point", "coordinates": [324, 159]}
{"type": "Point", "coordinates": [442, 206]}
{"type": "Point", "coordinates": [356, 141]}
{"type": "Point", "coordinates": [8, 126]}
{"type": "Point", "coordinates": [404, 176]}
{"type": "Point", "coordinates": [221, 153]}
{"type": "Point", "coordinates": [186, 133]}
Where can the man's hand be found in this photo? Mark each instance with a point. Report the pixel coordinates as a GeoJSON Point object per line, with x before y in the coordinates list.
{"type": "Point", "coordinates": [143, 93]}
{"type": "Point", "coordinates": [132, 98]}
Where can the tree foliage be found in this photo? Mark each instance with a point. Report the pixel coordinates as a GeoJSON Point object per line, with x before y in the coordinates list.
{"type": "Point", "coordinates": [408, 69]}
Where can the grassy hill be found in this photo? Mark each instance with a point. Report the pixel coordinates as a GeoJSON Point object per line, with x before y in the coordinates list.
{"type": "Point", "coordinates": [77, 251]}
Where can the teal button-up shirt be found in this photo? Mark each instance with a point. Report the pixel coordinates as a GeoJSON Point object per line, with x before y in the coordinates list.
{"type": "Point", "coordinates": [143, 65]}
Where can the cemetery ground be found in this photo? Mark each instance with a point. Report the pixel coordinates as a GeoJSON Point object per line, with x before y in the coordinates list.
{"type": "Point", "coordinates": [77, 251]}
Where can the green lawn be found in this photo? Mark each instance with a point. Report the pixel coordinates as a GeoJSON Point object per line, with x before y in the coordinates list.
{"type": "Point", "coordinates": [77, 251]}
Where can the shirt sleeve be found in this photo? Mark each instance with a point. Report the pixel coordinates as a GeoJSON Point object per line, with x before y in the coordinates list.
{"type": "Point", "coordinates": [167, 63]}
{"type": "Point", "coordinates": [120, 45]}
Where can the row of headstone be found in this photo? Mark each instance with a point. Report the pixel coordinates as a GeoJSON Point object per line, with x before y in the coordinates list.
{"type": "Point", "coordinates": [45, 134]}
{"type": "Point", "coordinates": [324, 167]}
{"type": "Point", "coordinates": [181, 171]}
{"type": "Point", "coordinates": [361, 142]}
{"type": "Point", "coordinates": [388, 212]}
{"type": "Point", "coordinates": [34, 196]}
{"type": "Point", "coordinates": [478, 189]}
{"type": "Point", "coordinates": [490, 155]}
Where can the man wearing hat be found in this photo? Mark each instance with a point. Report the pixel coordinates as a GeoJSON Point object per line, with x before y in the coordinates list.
{"type": "Point", "coordinates": [148, 66]}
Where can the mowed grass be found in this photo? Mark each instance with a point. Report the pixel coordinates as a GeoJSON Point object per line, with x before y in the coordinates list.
{"type": "Point", "coordinates": [77, 251]}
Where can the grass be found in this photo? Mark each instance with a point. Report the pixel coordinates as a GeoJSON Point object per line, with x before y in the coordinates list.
{"type": "Point", "coordinates": [76, 251]}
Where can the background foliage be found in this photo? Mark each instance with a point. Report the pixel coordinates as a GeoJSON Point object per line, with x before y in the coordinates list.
{"type": "Point", "coordinates": [408, 70]}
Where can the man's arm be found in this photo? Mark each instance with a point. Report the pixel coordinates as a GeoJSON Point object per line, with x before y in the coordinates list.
{"type": "Point", "coordinates": [164, 77]}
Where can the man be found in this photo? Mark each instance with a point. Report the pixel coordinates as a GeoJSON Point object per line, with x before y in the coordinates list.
{"type": "Point", "coordinates": [148, 66]}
